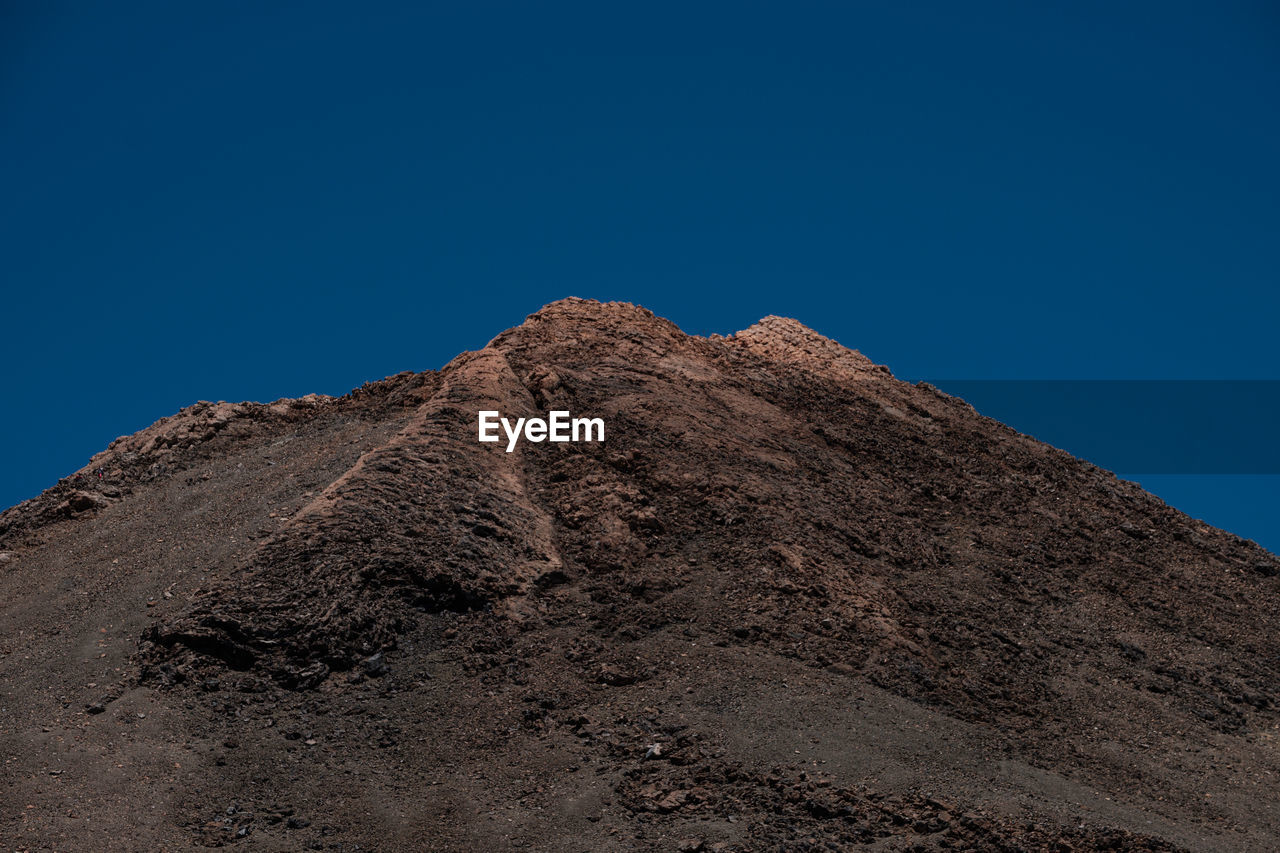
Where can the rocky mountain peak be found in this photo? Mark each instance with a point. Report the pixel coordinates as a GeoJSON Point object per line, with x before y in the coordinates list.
{"type": "Point", "coordinates": [785, 588]}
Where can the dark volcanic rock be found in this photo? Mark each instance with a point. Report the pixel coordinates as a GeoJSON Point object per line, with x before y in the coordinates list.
{"type": "Point", "coordinates": [789, 603]}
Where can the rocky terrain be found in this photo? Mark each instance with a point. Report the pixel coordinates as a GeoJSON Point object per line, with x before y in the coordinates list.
{"type": "Point", "coordinates": [789, 604]}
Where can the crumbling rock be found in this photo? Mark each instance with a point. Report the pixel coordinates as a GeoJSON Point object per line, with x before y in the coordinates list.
{"type": "Point", "coordinates": [768, 509]}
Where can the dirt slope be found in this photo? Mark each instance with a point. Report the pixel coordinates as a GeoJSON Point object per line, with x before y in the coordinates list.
{"type": "Point", "coordinates": [790, 603]}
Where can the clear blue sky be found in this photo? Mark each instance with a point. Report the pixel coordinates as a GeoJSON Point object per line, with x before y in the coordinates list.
{"type": "Point", "coordinates": [213, 201]}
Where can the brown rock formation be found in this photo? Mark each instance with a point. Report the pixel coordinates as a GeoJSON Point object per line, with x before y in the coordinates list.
{"type": "Point", "coordinates": [789, 602]}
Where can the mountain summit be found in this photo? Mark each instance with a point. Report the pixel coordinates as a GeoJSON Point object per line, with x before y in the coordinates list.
{"type": "Point", "coordinates": [789, 602]}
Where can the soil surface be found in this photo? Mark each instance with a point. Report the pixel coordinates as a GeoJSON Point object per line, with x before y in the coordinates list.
{"type": "Point", "coordinates": [789, 604]}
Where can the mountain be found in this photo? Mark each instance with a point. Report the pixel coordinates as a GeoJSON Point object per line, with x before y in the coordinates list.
{"type": "Point", "coordinates": [788, 603]}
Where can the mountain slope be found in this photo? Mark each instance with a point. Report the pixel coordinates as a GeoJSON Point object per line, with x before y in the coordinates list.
{"type": "Point", "coordinates": [789, 601]}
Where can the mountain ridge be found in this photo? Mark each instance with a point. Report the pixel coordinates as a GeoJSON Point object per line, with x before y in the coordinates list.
{"type": "Point", "coordinates": [768, 508]}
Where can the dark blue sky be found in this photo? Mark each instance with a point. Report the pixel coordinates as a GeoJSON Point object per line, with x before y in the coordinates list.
{"type": "Point", "coordinates": [210, 201]}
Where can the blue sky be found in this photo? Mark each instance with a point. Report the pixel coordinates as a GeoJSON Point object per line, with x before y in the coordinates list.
{"type": "Point", "coordinates": [213, 201]}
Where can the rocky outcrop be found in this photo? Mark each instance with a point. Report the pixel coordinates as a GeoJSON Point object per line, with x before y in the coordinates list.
{"type": "Point", "coordinates": [789, 603]}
